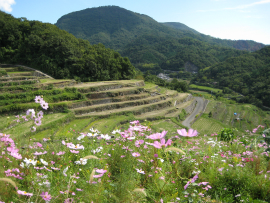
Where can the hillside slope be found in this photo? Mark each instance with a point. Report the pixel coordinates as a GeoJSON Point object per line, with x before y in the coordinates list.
{"type": "Point", "coordinates": [114, 27]}
{"type": "Point", "coordinates": [58, 53]}
{"type": "Point", "coordinates": [247, 74]}
{"type": "Point", "coordinates": [145, 41]}
{"type": "Point", "coordinates": [247, 45]}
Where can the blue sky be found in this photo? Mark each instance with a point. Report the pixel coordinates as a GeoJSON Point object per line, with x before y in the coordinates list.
{"type": "Point", "coordinates": [225, 19]}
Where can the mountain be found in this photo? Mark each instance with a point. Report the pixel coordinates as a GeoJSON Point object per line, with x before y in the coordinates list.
{"type": "Point", "coordinates": [247, 74]}
{"type": "Point", "coordinates": [45, 47]}
{"type": "Point", "coordinates": [180, 26]}
{"type": "Point", "coordinates": [146, 41]}
{"type": "Point", "coordinates": [113, 26]}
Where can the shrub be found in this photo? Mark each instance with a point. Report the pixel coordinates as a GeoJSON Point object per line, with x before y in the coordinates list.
{"type": "Point", "coordinates": [226, 134]}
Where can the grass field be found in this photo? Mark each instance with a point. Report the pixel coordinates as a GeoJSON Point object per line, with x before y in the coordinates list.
{"type": "Point", "coordinates": [214, 90]}
{"type": "Point", "coordinates": [208, 126]}
{"type": "Point", "coordinates": [247, 116]}
{"type": "Point", "coordinates": [52, 80]}
{"type": "Point", "coordinates": [22, 128]}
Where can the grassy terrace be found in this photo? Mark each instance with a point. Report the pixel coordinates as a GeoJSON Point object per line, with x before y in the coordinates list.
{"type": "Point", "coordinates": [204, 88]}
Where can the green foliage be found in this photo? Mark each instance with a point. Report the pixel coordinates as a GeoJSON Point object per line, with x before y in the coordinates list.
{"type": "Point", "coordinates": [182, 115]}
{"type": "Point", "coordinates": [227, 135]}
{"type": "Point", "coordinates": [2, 72]}
{"type": "Point", "coordinates": [267, 135]}
{"type": "Point", "coordinates": [145, 41]}
{"type": "Point", "coordinates": [247, 74]}
{"type": "Point", "coordinates": [173, 85]}
{"type": "Point", "coordinates": [47, 48]}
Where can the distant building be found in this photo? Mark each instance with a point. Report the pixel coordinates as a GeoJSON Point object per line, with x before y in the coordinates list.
{"type": "Point", "coordinates": [163, 76]}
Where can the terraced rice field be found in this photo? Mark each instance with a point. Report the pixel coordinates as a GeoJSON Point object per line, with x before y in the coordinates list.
{"type": "Point", "coordinates": [103, 105]}
{"type": "Point", "coordinates": [247, 116]}
{"type": "Point", "coordinates": [208, 126]}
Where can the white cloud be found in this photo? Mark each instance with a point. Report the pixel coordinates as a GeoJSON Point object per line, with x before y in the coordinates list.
{"type": "Point", "coordinates": [6, 5]}
{"type": "Point", "coordinates": [239, 7]}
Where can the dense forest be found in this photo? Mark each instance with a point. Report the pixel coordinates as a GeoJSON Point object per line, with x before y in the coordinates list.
{"type": "Point", "coordinates": [145, 41]}
{"type": "Point", "coordinates": [45, 47]}
{"type": "Point", "coordinates": [246, 74]}
{"type": "Point", "coordinates": [247, 45]}
{"type": "Point", "coordinates": [172, 54]}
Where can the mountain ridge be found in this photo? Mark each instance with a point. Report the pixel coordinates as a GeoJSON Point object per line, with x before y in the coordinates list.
{"type": "Point", "coordinates": [146, 41]}
{"type": "Point", "coordinates": [114, 18]}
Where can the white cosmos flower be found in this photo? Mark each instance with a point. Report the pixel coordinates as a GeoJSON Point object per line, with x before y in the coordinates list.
{"type": "Point", "coordinates": [94, 130]}
{"type": "Point", "coordinates": [81, 162]}
{"type": "Point", "coordinates": [78, 146]}
{"type": "Point", "coordinates": [30, 161]}
{"type": "Point", "coordinates": [140, 171]}
{"type": "Point", "coordinates": [97, 150]}
{"type": "Point", "coordinates": [64, 171]}
{"type": "Point", "coordinates": [80, 137]}
{"type": "Point", "coordinates": [92, 134]}
{"type": "Point", "coordinates": [44, 162]}
{"type": "Point", "coordinates": [116, 131]}
{"type": "Point", "coordinates": [105, 137]}
{"type": "Point", "coordinates": [162, 160]}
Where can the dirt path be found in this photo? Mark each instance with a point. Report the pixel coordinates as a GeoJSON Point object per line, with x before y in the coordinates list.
{"type": "Point", "coordinates": [198, 108]}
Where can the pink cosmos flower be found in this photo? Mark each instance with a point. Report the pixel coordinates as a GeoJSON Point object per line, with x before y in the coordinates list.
{"type": "Point", "coordinates": [38, 121]}
{"type": "Point", "coordinates": [38, 99]}
{"type": "Point", "coordinates": [40, 153]}
{"type": "Point", "coordinates": [46, 196]}
{"type": "Point", "coordinates": [40, 114]}
{"type": "Point", "coordinates": [101, 171]}
{"type": "Point", "coordinates": [203, 183]}
{"type": "Point", "coordinates": [16, 155]}
{"type": "Point", "coordinates": [139, 142]}
{"type": "Point", "coordinates": [157, 135]}
{"type": "Point", "coordinates": [33, 129]}
{"type": "Point", "coordinates": [98, 176]}
{"type": "Point", "coordinates": [44, 105]}
{"type": "Point", "coordinates": [32, 111]}
{"type": "Point", "coordinates": [25, 193]}
{"type": "Point", "coordinates": [38, 144]}
{"type": "Point", "coordinates": [69, 200]}
{"type": "Point", "coordinates": [24, 117]}
{"type": "Point", "coordinates": [134, 122]}
{"type": "Point", "coordinates": [74, 151]}
{"type": "Point", "coordinates": [201, 194]}
{"type": "Point", "coordinates": [136, 154]}
{"type": "Point", "coordinates": [160, 144]}
{"type": "Point", "coordinates": [190, 133]}
{"type": "Point", "coordinates": [60, 153]}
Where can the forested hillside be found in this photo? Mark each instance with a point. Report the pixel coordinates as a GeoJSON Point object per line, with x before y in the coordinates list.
{"type": "Point", "coordinates": [172, 53]}
{"type": "Point", "coordinates": [145, 41]}
{"type": "Point", "coordinates": [247, 74]}
{"type": "Point", "coordinates": [247, 45]}
{"type": "Point", "coordinates": [54, 51]}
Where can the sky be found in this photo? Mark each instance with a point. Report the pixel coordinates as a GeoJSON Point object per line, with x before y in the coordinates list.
{"type": "Point", "coordinates": [224, 19]}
